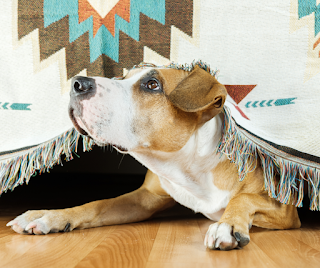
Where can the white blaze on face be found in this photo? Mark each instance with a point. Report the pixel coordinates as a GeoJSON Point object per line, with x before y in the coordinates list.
{"type": "Point", "coordinates": [107, 116]}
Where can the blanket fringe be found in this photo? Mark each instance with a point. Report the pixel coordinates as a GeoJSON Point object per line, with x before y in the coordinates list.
{"type": "Point", "coordinates": [283, 178]}
{"type": "Point", "coordinates": [19, 168]}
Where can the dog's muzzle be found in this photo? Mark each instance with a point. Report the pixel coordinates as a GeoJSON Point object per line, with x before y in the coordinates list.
{"type": "Point", "coordinates": [81, 88]}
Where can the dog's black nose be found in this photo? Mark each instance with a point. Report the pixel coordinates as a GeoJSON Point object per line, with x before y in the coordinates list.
{"type": "Point", "coordinates": [81, 84]}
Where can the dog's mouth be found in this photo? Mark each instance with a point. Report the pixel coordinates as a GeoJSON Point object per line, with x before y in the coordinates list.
{"type": "Point", "coordinates": [119, 148]}
{"type": "Point", "coordinates": [76, 125]}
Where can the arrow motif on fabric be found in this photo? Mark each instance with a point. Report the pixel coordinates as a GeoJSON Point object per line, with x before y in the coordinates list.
{"type": "Point", "coordinates": [261, 103]}
{"type": "Point", "coordinates": [255, 104]}
{"type": "Point", "coordinates": [269, 103]}
{"type": "Point", "coordinates": [15, 106]}
{"type": "Point", "coordinates": [4, 106]}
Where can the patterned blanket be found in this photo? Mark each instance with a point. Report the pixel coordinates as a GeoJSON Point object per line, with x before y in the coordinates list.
{"type": "Point", "coordinates": [267, 54]}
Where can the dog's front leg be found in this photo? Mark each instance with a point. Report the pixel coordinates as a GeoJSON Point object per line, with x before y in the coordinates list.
{"type": "Point", "coordinates": [245, 210]}
{"type": "Point", "coordinates": [136, 206]}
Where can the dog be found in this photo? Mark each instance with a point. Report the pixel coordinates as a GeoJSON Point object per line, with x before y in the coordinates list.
{"type": "Point", "coordinates": [170, 120]}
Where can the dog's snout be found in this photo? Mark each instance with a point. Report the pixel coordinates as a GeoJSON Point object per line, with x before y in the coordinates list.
{"type": "Point", "coordinates": [82, 84]}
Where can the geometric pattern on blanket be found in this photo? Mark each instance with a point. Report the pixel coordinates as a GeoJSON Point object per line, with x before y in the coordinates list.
{"type": "Point", "coordinates": [268, 56]}
{"type": "Point", "coordinates": [47, 42]}
{"type": "Point", "coordinates": [97, 39]}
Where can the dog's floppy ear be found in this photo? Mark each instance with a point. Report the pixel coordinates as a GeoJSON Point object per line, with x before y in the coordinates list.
{"type": "Point", "coordinates": [199, 91]}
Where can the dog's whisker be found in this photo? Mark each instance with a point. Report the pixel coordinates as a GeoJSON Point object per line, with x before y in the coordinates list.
{"type": "Point", "coordinates": [123, 155]}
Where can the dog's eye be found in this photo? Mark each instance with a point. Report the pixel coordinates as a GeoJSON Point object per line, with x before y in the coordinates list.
{"type": "Point", "coordinates": [152, 85]}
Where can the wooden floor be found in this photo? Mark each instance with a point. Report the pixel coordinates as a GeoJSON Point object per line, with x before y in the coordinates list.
{"type": "Point", "coordinates": [174, 239]}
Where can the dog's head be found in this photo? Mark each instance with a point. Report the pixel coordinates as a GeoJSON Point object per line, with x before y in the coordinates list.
{"type": "Point", "coordinates": [154, 108]}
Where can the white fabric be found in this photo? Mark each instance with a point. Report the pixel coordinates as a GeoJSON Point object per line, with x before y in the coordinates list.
{"type": "Point", "coordinates": [263, 43]}
{"type": "Point", "coordinates": [21, 83]}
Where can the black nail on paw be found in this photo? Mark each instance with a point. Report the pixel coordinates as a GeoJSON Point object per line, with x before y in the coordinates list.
{"type": "Point", "coordinates": [242, 240]}
{"type": "Point", "coordinates": [67, 228]}
{"type": "Point", "coordinates": [237, 236]}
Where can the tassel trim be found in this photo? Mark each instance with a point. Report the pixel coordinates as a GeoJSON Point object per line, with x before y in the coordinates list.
{"type": "Point", "coordinates": [284, 174]}
{"type": "Point", "coordinates": [20, 166]}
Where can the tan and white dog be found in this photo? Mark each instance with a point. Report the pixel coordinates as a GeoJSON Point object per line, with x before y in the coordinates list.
{"type": "Point", "coordinates": [170, 120]}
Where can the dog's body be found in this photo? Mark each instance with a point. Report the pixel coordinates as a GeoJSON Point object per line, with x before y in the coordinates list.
{"type": "Point", "coordinates": [170, 121]}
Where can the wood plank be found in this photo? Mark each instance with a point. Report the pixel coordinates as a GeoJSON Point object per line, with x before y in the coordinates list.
{"type": "Point", "coordinates": [172, 241]}
{"type": "Point", "coordinates": [309, 236]}
{"type": "Point", "coordinates": [15, 246]}
{"type": "Point", "coordinates": [127, 246]}
{"type": "Point", "coordinates": [53, 250]}
{"type": "Point", "coordinates": [249, 256]}
{"type": "Point", "coordinates": [179, 242]}
{"type": "Point", "coordinates": [286, 250]}
{"type": "Point", "coordinates": [177, 265]}
{"type": "Point", "coordinates": [4, 230]}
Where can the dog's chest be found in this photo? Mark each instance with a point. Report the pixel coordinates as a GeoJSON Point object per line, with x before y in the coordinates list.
{"type": "Point", "coordinates": [201, 195]}
{"type": "Point", "coordinates": [186, 175]}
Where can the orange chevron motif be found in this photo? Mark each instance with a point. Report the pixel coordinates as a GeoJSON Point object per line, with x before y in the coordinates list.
{"type": "Point", "coordinates": [122, 9]}
{"type": "Point", "coordinates": [104, 36]}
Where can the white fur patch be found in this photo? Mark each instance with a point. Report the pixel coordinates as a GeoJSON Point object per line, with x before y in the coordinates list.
{"type": "Point", "coordinates": [218, 235]}
{"type": "Point", "coordinates": [107, 116]}
{"type": "Point", "coordinates": [186, 174]}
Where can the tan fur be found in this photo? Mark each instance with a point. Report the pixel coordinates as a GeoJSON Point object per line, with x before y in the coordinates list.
{"type": "Point", "coordinates": [165, 135]}
{"type": "Point", "coordinates": [171, 134]}
{"type": "Point", "coordinates": [199, 91]}
{"type": "Point", "coordinates": [171, 78]}
{"type": "Point", "coordinates": [250, 203]}
{"type": "Point", "coordinates": [138, 205]}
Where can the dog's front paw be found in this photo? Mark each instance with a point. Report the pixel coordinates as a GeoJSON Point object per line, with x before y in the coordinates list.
{"type": "Point", "coordinates": [223, 236]}
{"type": "Point", "coordinates": [40, 222]}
